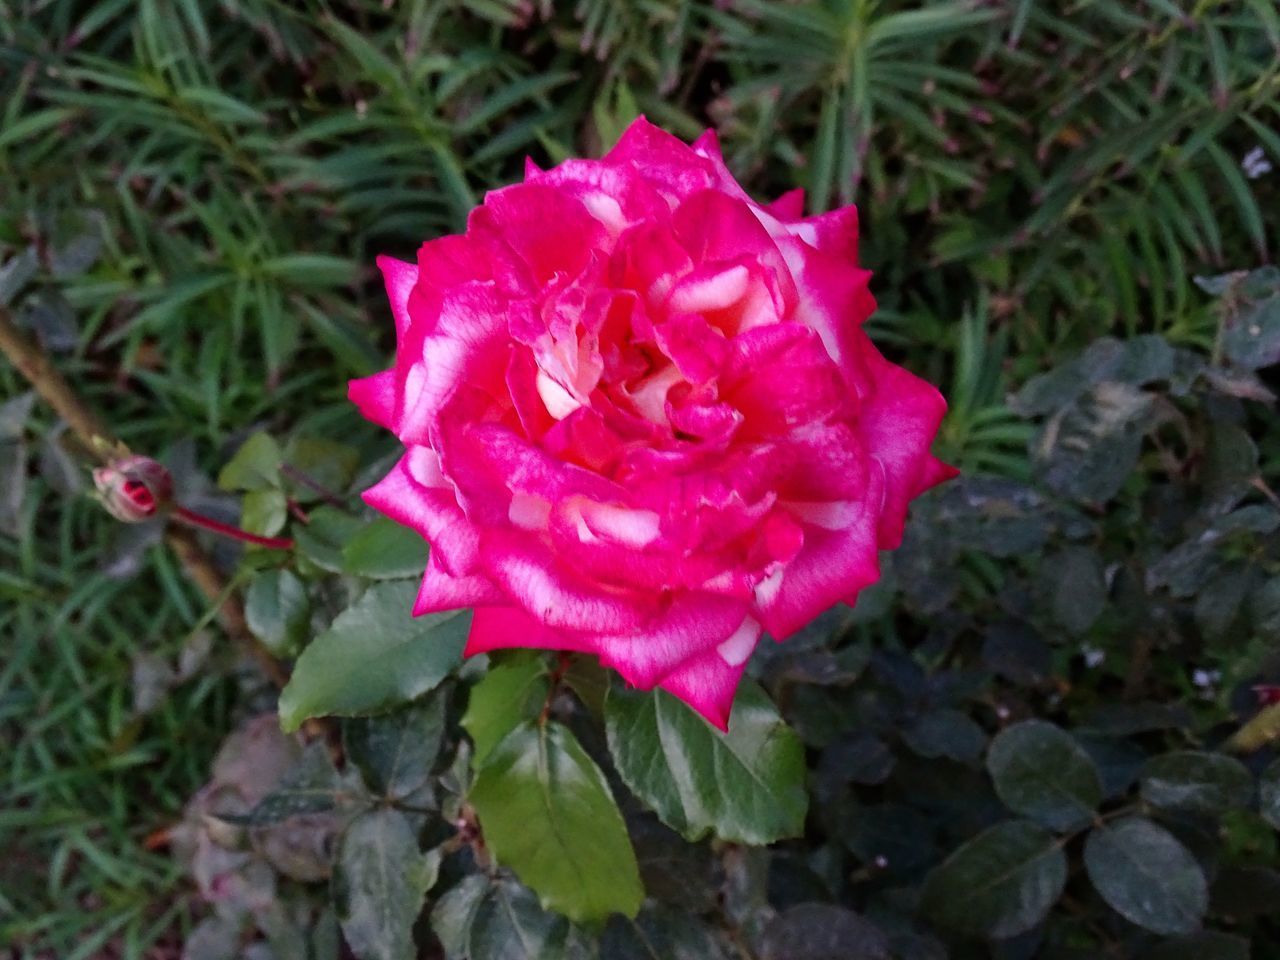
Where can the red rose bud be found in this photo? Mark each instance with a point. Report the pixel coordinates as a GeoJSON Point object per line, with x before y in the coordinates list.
{"type": "Point", "coordinates": [134, 488]}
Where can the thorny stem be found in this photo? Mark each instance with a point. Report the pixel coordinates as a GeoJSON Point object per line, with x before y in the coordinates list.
{"type": "Point", "coordinates": [32, 362]}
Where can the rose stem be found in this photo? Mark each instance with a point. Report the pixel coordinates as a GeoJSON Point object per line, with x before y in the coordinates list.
{"type": "Point", "coordinates": [226, 530]}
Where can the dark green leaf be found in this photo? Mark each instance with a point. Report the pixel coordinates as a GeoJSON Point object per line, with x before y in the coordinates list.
{"type": "Point", "coordinates": [1206, 945]}
{"type": "Point", "coordinates": [547, 813]}
{"type": "Point", "coordinates": [661, 933]}
{"type": "Point", "coordinates": [513, 690]}
{"type": "Point", "coordinates": [374, 657]}
{"type": "Point", "coordinates": [1041, 772]}
{"type": "Point", "coordinates": [999, 884]}
{"type": "Point", "coordinates": [1087, 451]}
{"type": "Point", "coordinates": [453, 914]}
{"type": "Point", "coordinates": [278, 611]}
{"type": "Point", "coordinates": [395, 752]}
{"type": "Point", "coordinates": [380, 880]}
{"type": "Point", "coordinates": [502, 920]}
{"type": "Point", "coordinates": [1147, 876]}
{"type": "Point", "coordinates": [946, 733]}
{"type": "Point", "coordinates": [820, 931]}
{"type": "Point", "coordinates": [746, 785]}
{"type": "Point", "coordinates": [1077, 587]}
{"type": "Point", "coordinates": [323, 538]}
{"type": "Point", "coordinates": [1197, 782]}
{"type": "Point", "coordinates": [318, 468]}
{"type": "Point", "coordinates": [1230, 466]}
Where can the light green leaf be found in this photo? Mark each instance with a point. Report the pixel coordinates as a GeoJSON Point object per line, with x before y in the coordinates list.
{"type": "Point", "coordinates": [255, 466]}
{"type": "Point", "coordinates": [746, 785]}
{"type": "Point", "coordinates": [513, 690]}
{"type": "Point", "coordinates": [374, 657]}
{"type": "Point", "coordinates": [546, 812]}
{"type": "Point", "coordinates": [264, 512]}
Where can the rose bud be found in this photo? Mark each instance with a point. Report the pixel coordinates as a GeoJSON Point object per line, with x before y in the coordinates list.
{"type": "Point", "coordinates": [134, 488]}
{"type": "Point", "coordinates": [642, 419]}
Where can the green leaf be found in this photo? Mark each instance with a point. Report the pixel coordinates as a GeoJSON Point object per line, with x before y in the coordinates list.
{"type": "Point", "coordinates": [546, 812]}
{"type": "Point", "coordinates": [1078, 587]}
{"type": "Point", "coordinates": [395, 752]}
{"type": "Point", "coordinates": [663, 933]}
{"type": "Point", "coordinates": [255, 466]}
{"type": "Point", "coordinates": [310, 269]}
{"type": "Point", "coordinates": [264, 512]}
{"type": "Point", "coordinates": [999, 884]}
{"type": "Point", "coordinates": [1251, 334]}
{"type": "Point", "coordinates": [1205, 945]}
{"type": "Point", "coordinates": [745, 786]}
{"type": "Point", "coordinates": [385, 550]}
{"type": "Point", "coordinates": [821, 931]}
{"type": "Point", "coordinates": [380, 880]}
{"type": "Point", "coordinates": [502, 920]}
{"type": "Point", "coordinates": [312, 786]}
{"type": "Point", "coordinates": [946, 733]}
{"type": "Point", "coordinates": [278, 611]}
{"type": "Point", "coordinates": [1147, 876]}
{"type": "Point", "coordinates": [1197, 782]}
{"type": "Point", "coordinates": [322, 539]}
{"type": "Point", "coordinates": [374, 657]}
{"type": "Point", "coordinates": [513, 690]}
{"type": "Point", "coordinates": [1041, 772]}
{"type": "Point", "coordinates": [1269, 794]}
{"type": "Point", "coordinates": [317, 467]}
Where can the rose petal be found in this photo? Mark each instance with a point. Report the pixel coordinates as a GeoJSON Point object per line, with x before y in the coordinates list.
{"type": "Point", "coordinates": [707, 684]}
{"type": "Point", "coordinates": [441, 590]}
{"type": "Point", "coordinates": [417, 502]}
{"type": "Point", "coordinates": [375, 397]}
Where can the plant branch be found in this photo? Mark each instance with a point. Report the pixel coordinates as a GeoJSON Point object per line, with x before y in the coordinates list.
{"type": "Point", "coordinates": [32, 362]}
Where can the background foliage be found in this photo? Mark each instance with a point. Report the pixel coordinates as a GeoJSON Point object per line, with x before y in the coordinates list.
{"type": "Point", "coordinates": [1037, 738]}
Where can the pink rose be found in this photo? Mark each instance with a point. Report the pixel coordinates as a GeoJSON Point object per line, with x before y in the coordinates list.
{"type": "Point", "coordinates": [641, 419]}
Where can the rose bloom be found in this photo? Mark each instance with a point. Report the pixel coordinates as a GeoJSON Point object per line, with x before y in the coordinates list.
{"type": "Point", "coordinates": [641, 419]}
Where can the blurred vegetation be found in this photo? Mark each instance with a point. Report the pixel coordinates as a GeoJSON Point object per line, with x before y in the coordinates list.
{"type": "Point", "coordinates": [192, 196]}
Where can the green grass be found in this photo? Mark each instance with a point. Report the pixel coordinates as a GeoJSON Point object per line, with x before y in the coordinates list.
{"type": "Point", "coordinates": [207, 192]}
{"type": "Point", "coordinates": [86, 780]}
